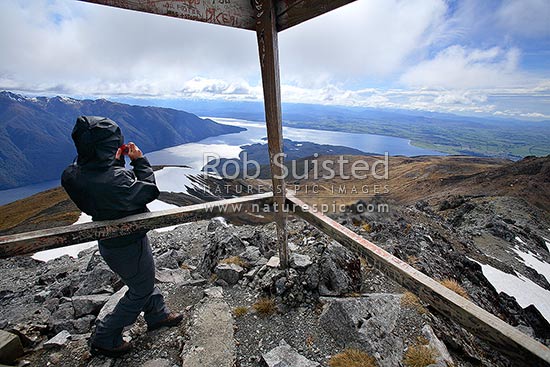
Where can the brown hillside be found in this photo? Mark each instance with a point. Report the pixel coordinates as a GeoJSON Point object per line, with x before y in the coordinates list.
{"type": "Point", "coordinates": [46, 209]}
{"type": "Point", "coordinates": [428, 177]}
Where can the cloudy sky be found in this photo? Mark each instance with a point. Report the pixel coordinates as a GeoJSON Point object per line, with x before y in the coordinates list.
{"type": "Point", "coordinates": [476, 57]}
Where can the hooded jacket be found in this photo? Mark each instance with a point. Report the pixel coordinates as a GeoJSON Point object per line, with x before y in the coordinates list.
{"type": "Point", "coordinates": [99, 184]}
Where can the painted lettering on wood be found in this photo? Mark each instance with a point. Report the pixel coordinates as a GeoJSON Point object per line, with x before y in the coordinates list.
{"type": "Point", "coordinates": [232, 13]}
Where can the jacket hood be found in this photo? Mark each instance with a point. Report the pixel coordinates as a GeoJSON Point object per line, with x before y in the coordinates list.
{"type": "Point", "coordinates": [97, 140]}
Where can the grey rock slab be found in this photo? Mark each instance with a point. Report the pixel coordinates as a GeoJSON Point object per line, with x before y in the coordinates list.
{"type": "Point", "coordinates": [168, 260]}
{"type": "Point", "coordinates": [211, 342]}
{"type": "Point", "coordinates": [367, 323]}
{"type": "Point", "coordinates": [109, 306]}
{"type": "Point", "coordinates": [42, 296]}
{"type": "Point", "coordinates": [230, 273]}
{"type": "Point", "coordinates": [273, 262]}
{"type": "Point", "coordinates": [10, 347]}
{"type": "Point", "coordinates": [285, 356]}
{"type": "Point", "coordinates": [83, 324]}
{"type": "Point", "coordinates": [214, 292]}
{"type": "Point", "coordinates": [444, 357]}
{"type": "Point", "coordinates": [61, 339]}
{"type": "Point", "coordinates": [90, 304]}
{"type": "Point", "coordinates": [96, 280]}
{"type": "Point", "coordinates": [176, 276]}
{"type": "Point", "coordinates": [339, 271]}
{"type": "Point", "coordinates": [251, 254]}
{"type": "Point", "coordinates": [298, 261]}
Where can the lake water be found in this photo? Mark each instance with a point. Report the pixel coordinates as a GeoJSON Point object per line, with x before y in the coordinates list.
{"type": "Point", "coordinates": [7, 196]}
{"type": "Point", "coordinates": [228, 146]}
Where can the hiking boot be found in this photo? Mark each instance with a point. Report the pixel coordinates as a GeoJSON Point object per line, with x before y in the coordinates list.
{"type": "Point", "coordinates": [173, 319]}
{"type": "Point", "coordinates": [119, 351]}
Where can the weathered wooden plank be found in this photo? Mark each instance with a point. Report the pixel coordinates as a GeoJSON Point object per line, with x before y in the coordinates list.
{"type": "Point", "coordinates": [480, 322]}
{"type": "Point", "coordinates": [293, 12]}
{"type": "Point", "coordinates": [31, 242]}
{"type": "Point", "coordinates": [268, 49]}
{"type": "Point", "coordinates": [232, 13]}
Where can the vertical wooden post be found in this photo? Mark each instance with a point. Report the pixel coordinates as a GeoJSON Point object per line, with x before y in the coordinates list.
{"type": "Point", "coordinates": [266, 31]}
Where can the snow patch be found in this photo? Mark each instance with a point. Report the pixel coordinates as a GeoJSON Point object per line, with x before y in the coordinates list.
{"type": "Point", "coordinates": [547, 242]}
{"type": "Point", "coordinates": [72, 250]}
{"type": "Point", "coordinates": [520, 240]}
{"type": "Point", "coordinates": [68, 100]}
{"type": "Point", "coordinates": [530, 259]}
{"type": "Point", "coordinates": [181, 179]}
{"type": "Point", "coordinates": [158, 205]}
{"type": "Point", "coordinates": [523, 289]}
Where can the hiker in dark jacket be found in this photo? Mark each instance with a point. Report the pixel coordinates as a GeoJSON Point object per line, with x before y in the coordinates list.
{"type": "Point", "coordinates": [103, 188]}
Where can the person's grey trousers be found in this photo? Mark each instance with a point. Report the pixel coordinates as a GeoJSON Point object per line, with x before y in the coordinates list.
{"type": "Point", "coordinates": [135, 265]}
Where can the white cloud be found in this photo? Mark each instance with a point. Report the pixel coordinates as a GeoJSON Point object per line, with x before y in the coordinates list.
{"type": "Point", "coordinates": [459, 68]}
{"type": "Point", "coordinates": [525, 17]}
{"type": "Point", "coordinates": [95, 47]}
{"type": "Point", "coordinates": [365, 38]}
{"type": "Point", "coordinates": [218, 88]}
{"type": "Point", "coordinates": [414, 51]}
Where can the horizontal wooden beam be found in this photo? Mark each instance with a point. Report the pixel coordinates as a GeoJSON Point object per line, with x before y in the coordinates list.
{"type": "Point", "coordinates": [293, 12]}
{"type": "Point", "coordinates": [232, 13]}
{"type": "Point", "coordinates": [31, 242]}
{"type": "Point", "coordinates": [483, 324]}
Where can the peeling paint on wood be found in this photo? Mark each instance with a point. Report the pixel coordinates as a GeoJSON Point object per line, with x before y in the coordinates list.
{"type": "Point", "coordinates": [31, 242]}
{"type": "Point", "coordinates": [232, 13]}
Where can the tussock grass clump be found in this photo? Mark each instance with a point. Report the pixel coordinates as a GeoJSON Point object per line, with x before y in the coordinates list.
{"type": "Point", "coordinates": [413, 260]}
{"type": "Point", "coordinates": [455, 287]}
{"type": "Point", "coordinates": [310, 341]}
{"type": "Point", "coordinates": [352, 358]}
{"type": "Point", "coordinates": [366, 267]}
{"type": "Point", "coordinates": [265, 306]}
{"type": "Point", "coordinates": [419, 355]}
{"type": "Point", "coordinates": [240, 311]}
{"type": "Point", "coordinates": [237, 260]}
{"type": "Point", "coordinates": [409, 300]}
{"type": "Point", "coordinates": [185, 266]}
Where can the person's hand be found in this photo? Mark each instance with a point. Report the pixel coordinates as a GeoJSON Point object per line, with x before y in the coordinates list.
{"type": "Point", "coordinates": [118, 154]}
{"type": "Point", "coordinates": [133, 151]}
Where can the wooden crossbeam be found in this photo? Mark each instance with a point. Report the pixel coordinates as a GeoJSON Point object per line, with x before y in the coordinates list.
{"type": "Point", "coordinates": [231, 13]}
{"type": "Point", "coordinates": [483, 324]}
{"type": "Point", "coordinates": [31, 242]}
{"type": "Point", "coordinates": [268, 50]}
{"type": "Point", "coordinates": [293, 12]}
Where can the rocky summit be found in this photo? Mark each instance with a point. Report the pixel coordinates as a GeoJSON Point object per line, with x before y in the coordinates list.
{"type": "Point", "coordinates": [329, 308]}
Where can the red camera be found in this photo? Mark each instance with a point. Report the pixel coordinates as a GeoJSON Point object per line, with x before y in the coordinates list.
{"type": "Point", "coordinates": [125, 149]}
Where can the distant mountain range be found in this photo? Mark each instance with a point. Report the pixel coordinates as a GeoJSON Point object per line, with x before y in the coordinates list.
{"type": "Point", "coordinates": [35, 132]}
{"type": "Point", "coordinates": [442, 132]}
